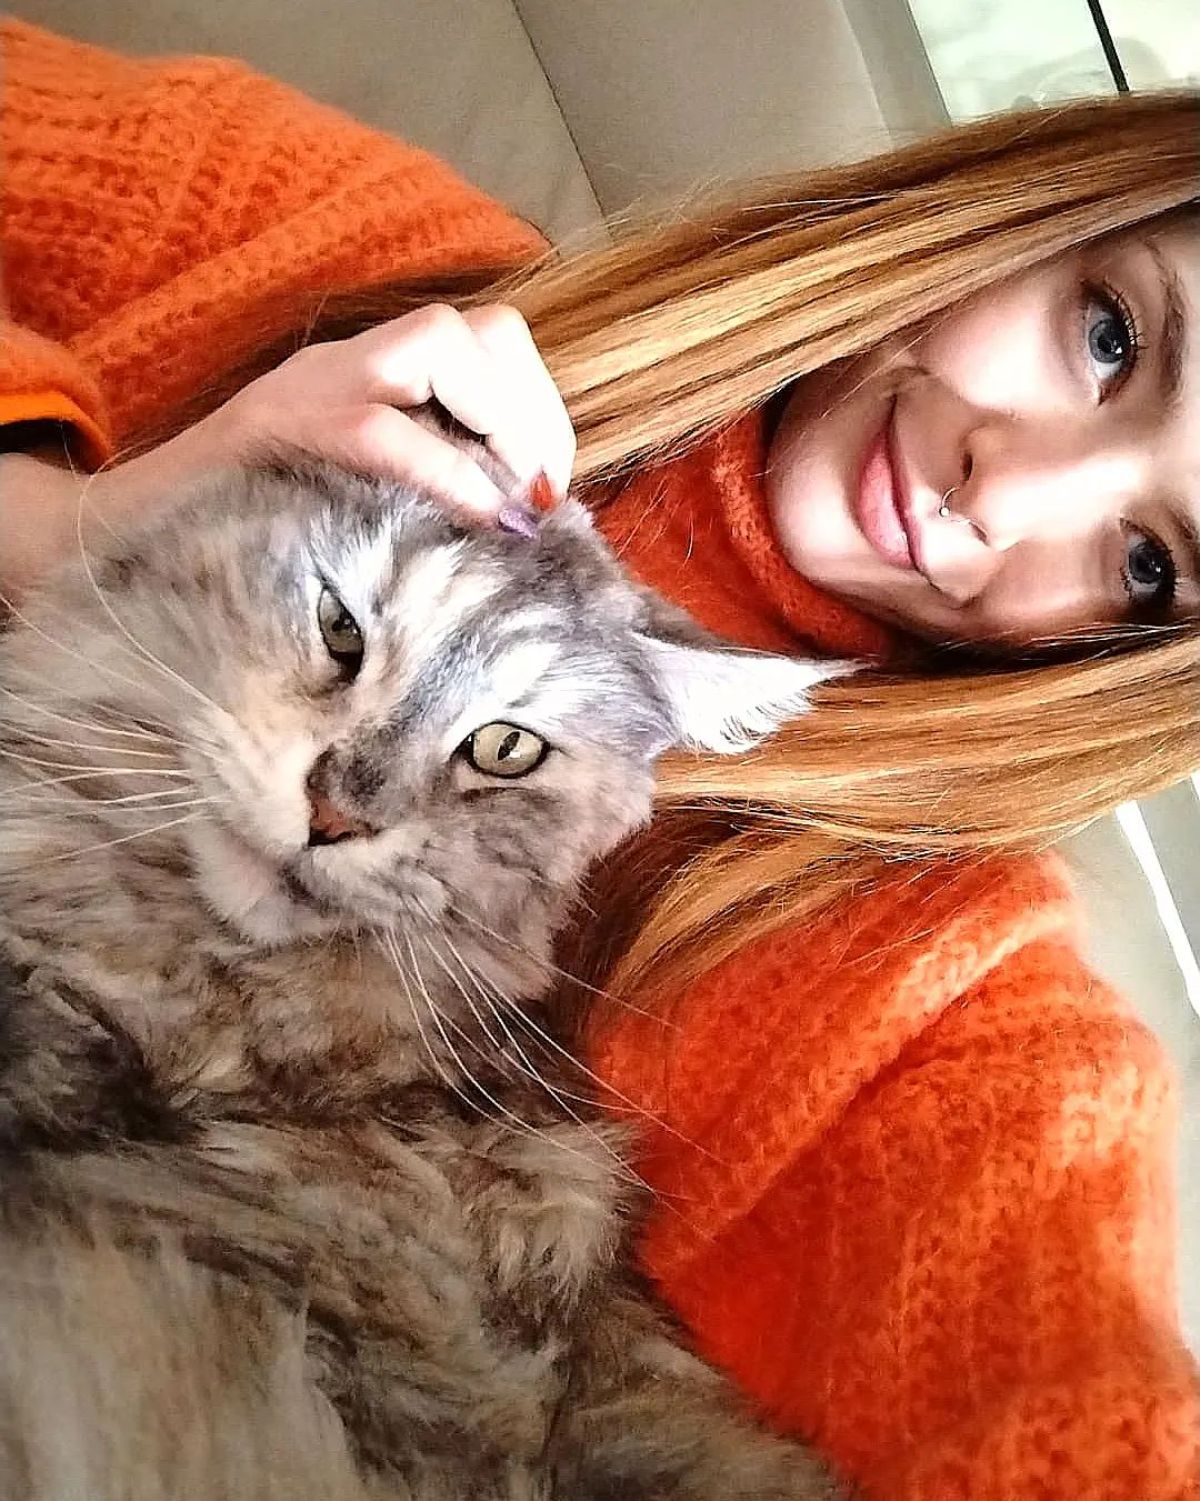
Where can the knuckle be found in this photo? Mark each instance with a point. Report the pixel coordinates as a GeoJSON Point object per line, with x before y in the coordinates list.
{"type": "Point", "coordinates": [248, 416]}
{"type": "Point", "coordinates": [306, 358]}
{"type": "Point", "coordinates": [386, 369]}
{"type": "Point", "coordinates": [503, 320]}
{"type": "Point", "coordinates": [366, 429]}
{"type": "Point", "coordinates": [436, 319]}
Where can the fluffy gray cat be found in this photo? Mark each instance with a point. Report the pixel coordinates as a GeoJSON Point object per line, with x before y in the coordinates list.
{"type": "Point", "coordinates": [300, 1196]}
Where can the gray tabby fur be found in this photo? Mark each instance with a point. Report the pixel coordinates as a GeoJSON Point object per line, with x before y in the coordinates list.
{"type": "Point", "coordinates": [300, 1197]}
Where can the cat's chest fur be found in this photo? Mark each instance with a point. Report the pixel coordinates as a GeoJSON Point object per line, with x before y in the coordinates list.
{"type": "Point", "coordinates": [442, 1232]}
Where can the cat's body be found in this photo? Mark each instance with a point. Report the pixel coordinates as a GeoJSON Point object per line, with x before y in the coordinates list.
{"type": "Point", "coordinates": [301, 1196]}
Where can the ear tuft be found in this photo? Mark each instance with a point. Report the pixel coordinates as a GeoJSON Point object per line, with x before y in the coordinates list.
{"type": "Point", "coordinates": [726, 700]}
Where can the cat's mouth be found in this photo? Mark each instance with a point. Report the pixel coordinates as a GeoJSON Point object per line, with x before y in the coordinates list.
{"type": "Point", "coordinates": [309, 892]}
{"type": "Point", "coordinates": [260, 894]}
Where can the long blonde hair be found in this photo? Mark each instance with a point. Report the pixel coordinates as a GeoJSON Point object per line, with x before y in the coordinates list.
{"type": "Point", "coordinates": [674, 329]}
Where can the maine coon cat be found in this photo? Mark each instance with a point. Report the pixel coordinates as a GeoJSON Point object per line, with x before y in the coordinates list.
{"type": "Point", "coordinates": [300, 1196]}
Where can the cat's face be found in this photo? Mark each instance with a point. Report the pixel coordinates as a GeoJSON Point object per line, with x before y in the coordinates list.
{"type": "Point", "coordinates": [371, 718]}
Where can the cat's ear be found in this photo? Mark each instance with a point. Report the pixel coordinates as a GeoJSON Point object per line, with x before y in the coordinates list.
{"type": "Point", "coordinates": [721, 698]}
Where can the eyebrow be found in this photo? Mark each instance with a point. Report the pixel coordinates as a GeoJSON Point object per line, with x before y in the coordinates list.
{"type": "Point", "coordinates": [1174, 329]}
{"type": "Point", "coordinates": [1191, 535]}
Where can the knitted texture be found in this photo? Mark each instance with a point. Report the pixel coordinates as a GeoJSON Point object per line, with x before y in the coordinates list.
{"type": "Point", "coordinates": [913, 1161]}
{"type": "Point", "coordinates": [697, 530]}
{"type": "Point", "coordinates": [913, 1166]}
{"type": "Point", "coordinates": [158, 216]}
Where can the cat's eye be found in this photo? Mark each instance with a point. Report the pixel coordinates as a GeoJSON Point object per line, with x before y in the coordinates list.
{"type": "Point", "coordinates": [505, 750]}
{"type": "Point", "coordinates": [339, 631]}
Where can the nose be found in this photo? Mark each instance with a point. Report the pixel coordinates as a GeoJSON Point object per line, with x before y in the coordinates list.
{"type": "Point", "coordinates": [328, 823]}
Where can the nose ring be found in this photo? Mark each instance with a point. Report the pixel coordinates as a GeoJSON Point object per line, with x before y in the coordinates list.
{"type": "Point", "coordinates": [947, 514]}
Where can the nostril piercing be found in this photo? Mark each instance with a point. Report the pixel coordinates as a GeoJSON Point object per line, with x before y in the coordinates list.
{"type": "Point", "coordinates": [947, 514]}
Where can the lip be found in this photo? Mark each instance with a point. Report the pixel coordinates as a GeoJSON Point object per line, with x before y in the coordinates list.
{"type": "Point", "coordinates": [882, 506]}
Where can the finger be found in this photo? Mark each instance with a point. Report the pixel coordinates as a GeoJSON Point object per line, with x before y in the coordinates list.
{"type": "Point", "coordinates": [504, 333]}
{"type": "Point", "coordinates": [384, 441]}
{"type": "Point", "coordinates": [434, 353]}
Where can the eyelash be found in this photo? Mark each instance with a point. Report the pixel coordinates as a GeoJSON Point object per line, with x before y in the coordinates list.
{"type": "Point", "coordinates": [1107, 296]}
{"type": "Point", "coordinates": [1110, 299]}
{"type": "Point", "coordinates": [1160, 603]}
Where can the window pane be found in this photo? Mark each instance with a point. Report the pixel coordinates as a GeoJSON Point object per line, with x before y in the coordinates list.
{"type": "Point", "coordinates": [993, 55]}
{"type": "Point", "coordinates": [1158, 41]}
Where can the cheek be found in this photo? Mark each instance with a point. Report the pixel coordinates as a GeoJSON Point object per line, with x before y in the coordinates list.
{"type": "Point", "coordinates": [579, 809]}
{"type": "Point", "coordinates": [261, 757]}
{"type": "Point", "coordinates": [814, 463]}
{"type": "Point", "coordinates": [1002, 352]}
{"type": "Point", "coordinates": [602, 799]}
{"type": "Point", "coordinates": [1040, 592]}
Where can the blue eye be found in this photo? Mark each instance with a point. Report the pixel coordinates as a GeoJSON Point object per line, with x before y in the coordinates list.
{"type": "Point", "coordinates": [1112, 337]}
{"type": "Point", "coordinates": [1149, 575]}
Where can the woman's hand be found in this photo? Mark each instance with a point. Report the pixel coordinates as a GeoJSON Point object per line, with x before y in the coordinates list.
{"type": "Point", "coordinates": [345, 402]}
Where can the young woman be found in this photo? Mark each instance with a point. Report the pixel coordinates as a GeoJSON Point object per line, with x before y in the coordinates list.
{"type": "Point", "coordinates": [941, 410]}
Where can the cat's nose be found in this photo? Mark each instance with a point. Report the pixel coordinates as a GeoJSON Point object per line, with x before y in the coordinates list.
{"type": "Point", "coordinates": [328, 824]}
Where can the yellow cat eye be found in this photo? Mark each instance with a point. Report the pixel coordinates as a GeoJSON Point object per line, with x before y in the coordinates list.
{"type": "Point", "coordinates": [505, 750]}
{"type": "Point", "coordinates": [339, 630]}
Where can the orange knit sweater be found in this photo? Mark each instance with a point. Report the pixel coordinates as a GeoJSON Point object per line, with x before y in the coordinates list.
{"type": "Point", "coordinates": [925, 1213]}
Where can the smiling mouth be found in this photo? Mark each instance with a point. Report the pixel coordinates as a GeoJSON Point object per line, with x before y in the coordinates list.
{"type": "Point", "coordinates": [880, 504]}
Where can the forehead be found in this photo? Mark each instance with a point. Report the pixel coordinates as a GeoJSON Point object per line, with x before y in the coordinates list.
{"type": "Point", "coordinates": [1175, 252]}
{"type": "Point", "coordinates": [484, 624]}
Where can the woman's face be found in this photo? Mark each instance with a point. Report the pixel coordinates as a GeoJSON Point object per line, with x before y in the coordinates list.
{"type": "Point", "coordinates": [1063, 409]}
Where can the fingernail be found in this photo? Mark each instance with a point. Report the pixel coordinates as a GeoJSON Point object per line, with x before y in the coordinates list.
{"type": "Point", "coordinates": [541, 494]}
{"type": "Point", "coordinates": [519, 520]}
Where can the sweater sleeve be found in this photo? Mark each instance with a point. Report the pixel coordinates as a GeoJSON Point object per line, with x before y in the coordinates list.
{"type": "Point", "coordinates": [40, 383]}
{"type": "Point", "coordinates": [160, 219]}
{"type": "Point", "coordinates": [924, 1214]}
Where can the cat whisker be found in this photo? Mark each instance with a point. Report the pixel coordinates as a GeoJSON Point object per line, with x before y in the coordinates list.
{"type": "Point", "coordinates": [531, 1071]}
{"type": "Point", "coordinates": [488, 993]}
{"type": "Point", "coordinates": [612, 1093]}
{"type": "Point", "coordinates": [625, 1173]}
{"type": "Point", "coordinates": [495, 1041]}
{"type": "Point", "coordinates": [138, 646]}
{"type": "Point", "coordinates": [101, 667]}
{"type": "Point", "coordinates": [87, 776]}
{"type": "Point", "coordinates": [610, 1089]}
{"type": "Point", "coordinates": [100, 807]}
{"type": "Point", "coordinates": [81, 745]}
{"type": "Point", "coordinates": [162, 730]}
{"type": "Point", "coordinates": [145, 798]}
{"type": "Point", "coordinates": [96, 771]}
{"type": "Point", "coordinates": [91, 849]}
{"type": "Point", "coordinates": [551, 968]}
{"type": "Point", "coordinates": [93, 726]}
{"type": "Point", "coordinates": [516, 1120]}
{"type": "Point", "coordinates": [508, 1115]}
{"type": "Point", "coordinates": [387, 943]}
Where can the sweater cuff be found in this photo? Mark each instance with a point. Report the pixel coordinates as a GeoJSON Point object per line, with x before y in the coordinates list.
{"type": "Point", "coordinates": [86, 438]}
{"type": "Point", "coordinates": [42, 382]}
